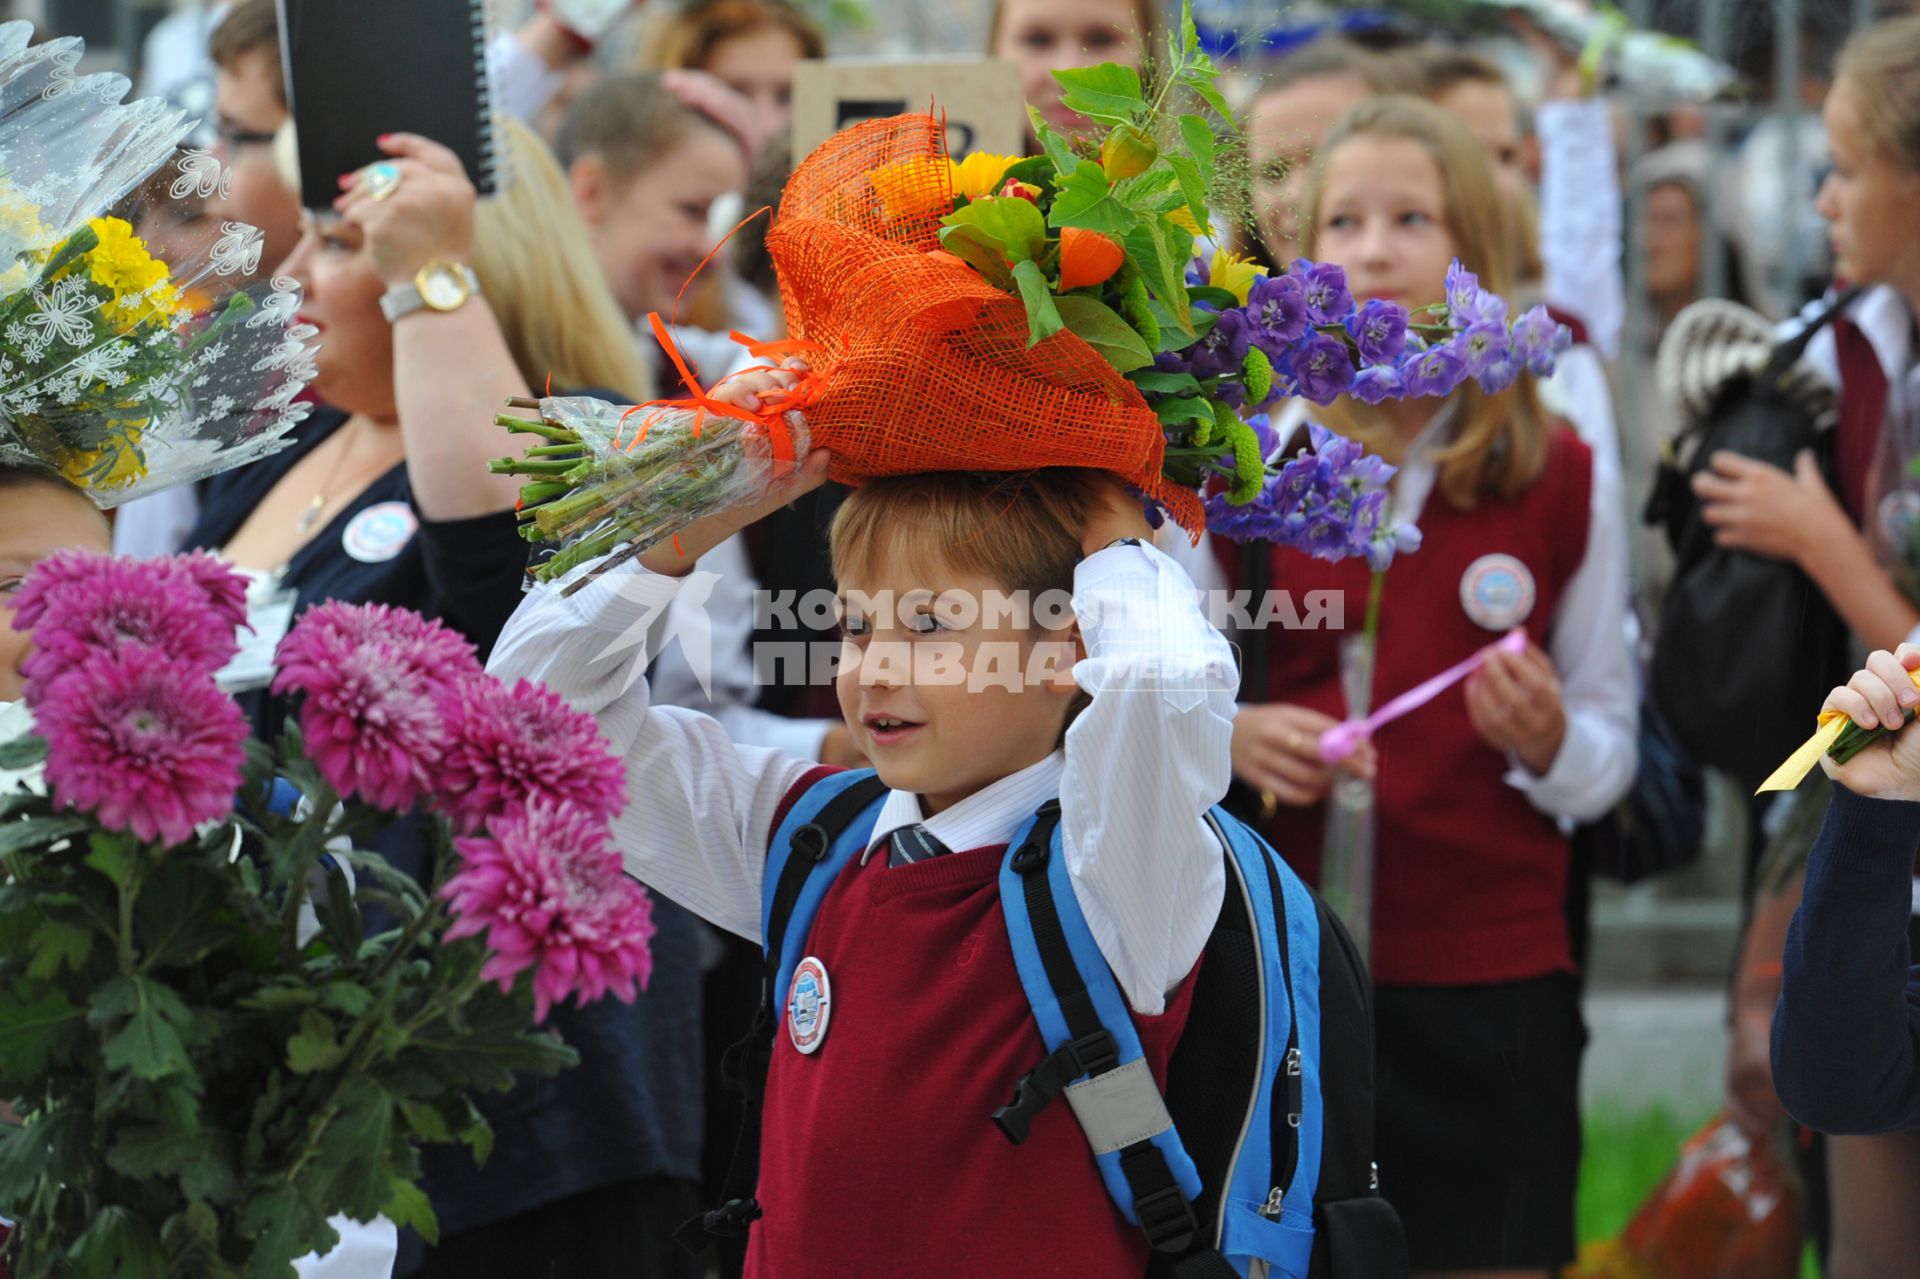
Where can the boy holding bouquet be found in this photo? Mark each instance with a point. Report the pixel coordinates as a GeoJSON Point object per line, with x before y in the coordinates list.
{"type": "Point", "coordinates": [878, 1156]}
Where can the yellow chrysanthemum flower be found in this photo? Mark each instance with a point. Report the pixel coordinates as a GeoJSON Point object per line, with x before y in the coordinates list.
{"type": "Point", "coordinates": [1233, 273]}
{"type": "Point", "coordinates": [115, 466]}
{"type": "Point", "coordinates": [913, 187]}
{"type": "Point", "coordinates": [120, 260]}
{"type": "Point", "coordinates": [1182, 217]}
{"type": "Point", "coordinates": [980, 174]}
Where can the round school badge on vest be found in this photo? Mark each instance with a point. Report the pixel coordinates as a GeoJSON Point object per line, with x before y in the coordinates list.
{"type": "Point", "coordinates": [809, 1005]}
{"type": "Point", "coordinates": [380, 532]}
{"type": "Point", "coordinates": [1498, 592]}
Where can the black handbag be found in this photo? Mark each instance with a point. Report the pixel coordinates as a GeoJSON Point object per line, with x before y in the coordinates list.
{"type": "Point", "coordinates": [1747, 647]}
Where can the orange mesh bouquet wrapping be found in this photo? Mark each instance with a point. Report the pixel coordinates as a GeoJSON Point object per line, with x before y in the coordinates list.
{"type": "Point", "coordinates": [922, 365]}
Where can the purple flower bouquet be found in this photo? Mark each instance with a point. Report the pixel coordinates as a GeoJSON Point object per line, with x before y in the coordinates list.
{"type": "Point", "coordinates": [212, 1041]}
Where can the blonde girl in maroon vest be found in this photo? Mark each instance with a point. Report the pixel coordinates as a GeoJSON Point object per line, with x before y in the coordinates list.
{"type": "Point", "coordinates": [1479, 1032]}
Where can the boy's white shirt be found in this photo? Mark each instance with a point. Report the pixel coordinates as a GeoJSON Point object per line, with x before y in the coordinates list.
{"type": "Point", "coordinates": [1141, 766]}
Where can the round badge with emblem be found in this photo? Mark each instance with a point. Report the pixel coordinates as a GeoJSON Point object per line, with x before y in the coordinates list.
{"type": "Point", "coordinates": [1497, 591]}
{"type": "Point", "coordinates": [380, 532]}
{"type": "Point", "coordinates": [809, 1005]}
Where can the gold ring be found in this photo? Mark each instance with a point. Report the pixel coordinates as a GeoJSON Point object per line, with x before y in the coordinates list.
{"type": "Point", "coordinates": [381, 179]}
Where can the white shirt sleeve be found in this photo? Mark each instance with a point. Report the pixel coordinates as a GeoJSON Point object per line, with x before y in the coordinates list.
{"type": "Point", "coordinates": [1580, 223]}
{"type": "Point", "coordinates": [720, 677]}
{"type": "Point", "coordinates": [1588, 644]}
{"type": "Point", "coordinates": [699, 807]}
{"type": "Point", "coordinates": [1144, 762]}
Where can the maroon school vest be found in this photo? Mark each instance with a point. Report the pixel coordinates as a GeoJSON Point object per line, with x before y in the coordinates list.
{"type": "Point", "coordinates": [878, 1156]}
{"type": "Point", "coordinates": [1470, 878]}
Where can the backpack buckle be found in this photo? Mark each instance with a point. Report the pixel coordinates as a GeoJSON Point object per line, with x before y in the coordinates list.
{"type": "Point", "coordinates": [1093, 1054]}
{"type": "Point", "coordinates": [811, 840]}
{"type": "Point", "coordinates": [1167, 1218]}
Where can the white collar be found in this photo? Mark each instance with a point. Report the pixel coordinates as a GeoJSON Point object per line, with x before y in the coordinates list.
{"type": "Point", "coordinates": [986, 817]}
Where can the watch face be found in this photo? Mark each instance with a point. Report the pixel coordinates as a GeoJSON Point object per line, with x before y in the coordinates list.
{"type": "Point", "coordinates": [442, 289]}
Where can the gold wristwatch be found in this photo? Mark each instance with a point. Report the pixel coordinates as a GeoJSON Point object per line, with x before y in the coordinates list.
{"type": "Point", "coordinates": [437, 286]}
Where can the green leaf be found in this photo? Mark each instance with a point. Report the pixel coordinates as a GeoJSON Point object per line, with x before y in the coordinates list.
{"type": "Point", "coordinates": [1015, 224]}
{"type": "Point", "coordinates": [110, 855]}
{"type": "Point", "coordinates": [1198, 135]}
{"type": "Point", "coordinates": [280, 999]}
{"type": "Point", "coordinates": [1193, 187]}
{"type": "Point", "coordinates": [57, 945]}
{"type": "Point", "coordinates": [1055, 146]}
{"type": "Point", "coordinates": [315, 1046]}
{"type": "Point", "coordinates": [1086, 200]}
{"type": "Point", "coordinates": [211, 1176]}
{"type": "Point", "coordinates": [1165, 269]}
{"type": "Point", "coordinates": [1212, 296]}
{"type": "Point", "coordinates": [426, 1122]}
{"type": "Point", "coordinates": [1108, 92]}
{"type": "Point", "coordinates": [21, 753]}
{"type": "Point", "coordinates": [350, 1166]}
{"type": "Point", "coordinates": [1202, 84]}
{"type": "Point", "coordinates": [981, 252]}
{"type": "Point", "coordinates": [408, 1206]}
{"type": "Point", "coordinates": [1100, 327]}
{"type": "Point", "coordinates": [338, 914]}
{"type": "Point", "coordinates": [39, 832]}
{"type": "Point", "coordinates": [346, 997]}
{"type": "Point", "coordinates": [1185, 411]}
{"type": "Point", "coordinates": [118, 1243]}
{"type": "Point", "coordinates": [1043, 315]}
{"type": "Point", "coordinates": [150, 1043]}
{"type": "Point", "coordinates": [150, 1150]}
{"type": "Point", "coordinates": [282, 1225]}
{"type": "Point", "coordinates": [1154, 382]}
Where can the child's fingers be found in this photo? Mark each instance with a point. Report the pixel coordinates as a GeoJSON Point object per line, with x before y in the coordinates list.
{"type": "Point", "coordinates": [1908, 655]}
{"type": "Point", "coordinates": [1889, 668]}
{"type": "Point", "coordinates": [1853, 706]}
{"type": "Point", "coordinates": [1879, 697]}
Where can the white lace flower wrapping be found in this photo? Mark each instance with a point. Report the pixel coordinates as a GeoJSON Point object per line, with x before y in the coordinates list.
{"type": "Point", "coordinates": [126, 370]}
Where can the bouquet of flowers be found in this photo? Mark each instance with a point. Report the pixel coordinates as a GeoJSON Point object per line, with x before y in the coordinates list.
{"type": "Point", "coordinates": [118, 369]}
{"type": "Point", "coordinates": [211, 1047]}
{"type": "Point", "coordinates": [1002, 313]}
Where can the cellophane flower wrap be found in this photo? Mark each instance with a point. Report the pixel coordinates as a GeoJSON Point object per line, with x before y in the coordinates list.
{"type": "Point", "coordinates": [124, 370]}
{"type": "Point", "coordinates": [1003, 314]}
{"type": "Point", "coordinates": [222, 1020]}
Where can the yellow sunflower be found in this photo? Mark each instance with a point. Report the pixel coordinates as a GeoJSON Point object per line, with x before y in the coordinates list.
{"type": "Point", "coordinates": [1233, 273]}
{"type": "Point", "coordinates": [980, 174]}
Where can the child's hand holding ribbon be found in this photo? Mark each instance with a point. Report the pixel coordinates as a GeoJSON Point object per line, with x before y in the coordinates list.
{"type": "Point", "coordinates": [1342, 740]}
{"type": "Point", "coordinates": [1860, 743]}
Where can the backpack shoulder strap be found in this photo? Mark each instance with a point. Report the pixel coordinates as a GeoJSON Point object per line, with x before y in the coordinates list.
{"type": "Point", "coordinates": [1095, 1058]}
{"type": "Point", "coordinates": [827, 827]}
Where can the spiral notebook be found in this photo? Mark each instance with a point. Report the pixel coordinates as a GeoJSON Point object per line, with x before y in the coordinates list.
{"type": "Point", "coordinates": [359, 68]}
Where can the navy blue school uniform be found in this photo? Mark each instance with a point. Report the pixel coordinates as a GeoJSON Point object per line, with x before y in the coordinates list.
{"type": "Point", "coordinates": [618, 1137]}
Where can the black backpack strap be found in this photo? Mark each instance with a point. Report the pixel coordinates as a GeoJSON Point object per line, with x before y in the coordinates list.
{"type": "Point", "coordinates": [744, 1065]}
{"type": "Point", "coordinates": [1788, 353]}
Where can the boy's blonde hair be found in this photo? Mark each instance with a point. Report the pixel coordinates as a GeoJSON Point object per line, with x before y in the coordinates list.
{"type": "Point", "coordinates": [1020, 529]}
{"type": "Point", "coordinates": [1499, 442]}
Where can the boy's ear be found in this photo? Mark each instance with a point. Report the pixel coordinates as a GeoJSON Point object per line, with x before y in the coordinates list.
{"type": "Point", "coordinates": [1072, 649]}
{"type": "Point", "coordinates": [592, 188]}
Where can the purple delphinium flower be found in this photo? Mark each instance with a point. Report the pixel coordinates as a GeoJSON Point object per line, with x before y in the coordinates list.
{"type": "Point", "coordinates": [1481, 346]}
{"type": "Point", "coordinates": [1223, 349]}
{"type": "Point", "coordinates": [1537, 338]}
{"type": "Point", "coordinates": [1379, 330]}
{"type": "Point", "coordinates": [1434, 372]}
{"type": "Point", "coordinates": [1499, 374]}
{"type": "Point", "coordinates": [1324, 287]}
{"type": "Point", "coordinates": [1328, 501]}
{"type": "Point", "coordinates": [1278, 310]}
{"type": "Point", "coordinates": [1466, 300]}
{"type": "Point", "coordinates": [1375, 383]}
{"type": "Point", "coordinates": [1322, 369]}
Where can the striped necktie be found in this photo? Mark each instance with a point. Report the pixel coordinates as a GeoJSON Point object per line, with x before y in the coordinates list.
{"type": "Point", "coordinates": [912, 844]}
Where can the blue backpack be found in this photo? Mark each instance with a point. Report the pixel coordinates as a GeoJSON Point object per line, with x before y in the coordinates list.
{"type": "Point", "coordinates": [1257, 1159]}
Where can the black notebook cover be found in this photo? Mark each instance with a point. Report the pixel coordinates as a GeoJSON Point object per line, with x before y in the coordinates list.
{"type": "Point", "coordinates": [359, 68]}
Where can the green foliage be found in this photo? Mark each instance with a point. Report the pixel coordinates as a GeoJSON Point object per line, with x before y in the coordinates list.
{"type": "Point", "coordinates": [202, 1080]}
{"type": "Point", "coordinates": [1100, 327]}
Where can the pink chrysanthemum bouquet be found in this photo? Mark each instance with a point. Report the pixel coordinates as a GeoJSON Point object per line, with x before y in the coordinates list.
{"type": "Point", "coordinates": [211, 1045]}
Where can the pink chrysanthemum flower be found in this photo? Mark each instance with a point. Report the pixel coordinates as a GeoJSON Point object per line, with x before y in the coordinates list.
{"type": "Point", "coordinates": [145, 743]}
{"type": "Point", "coordinates": [508, 746]}
{"type": "Point", "coordinates": [78, 605]}
{"type": "Point", "coordinates": [549, 894]}
{"type": "Point", "coordinates": [374, 679]}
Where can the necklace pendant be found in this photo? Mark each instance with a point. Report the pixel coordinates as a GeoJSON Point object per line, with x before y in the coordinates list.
{"type": "Point", "coordinates": [307, 521]}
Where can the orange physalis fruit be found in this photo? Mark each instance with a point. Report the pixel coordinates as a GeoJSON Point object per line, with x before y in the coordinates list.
{"type": "Point", "coordinates": [1087, 258]}
{"type": "Point", "coordinates": [1127, 153]}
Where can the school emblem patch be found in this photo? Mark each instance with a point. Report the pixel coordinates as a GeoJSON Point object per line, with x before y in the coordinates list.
{"type": "Point", "coordinates": [380, 532]}
{"type": "Point", "coordinates": [809, 1005]}
{"type": "Point", "coordinates": [1497, 591]}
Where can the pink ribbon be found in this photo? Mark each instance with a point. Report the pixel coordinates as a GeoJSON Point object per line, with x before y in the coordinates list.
{"type": "Point", "coordinates": [1343, 740]}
